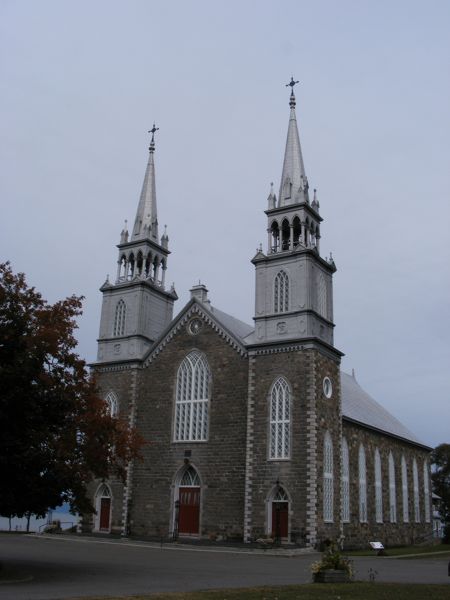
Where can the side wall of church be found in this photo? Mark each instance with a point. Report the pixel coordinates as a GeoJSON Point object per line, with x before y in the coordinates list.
{"type": "Point", "coordinates": [357, 534]}
{"type": "Point", "coordinates": [219, 461]}
{"type": "Point", "coordinates": [118, 380]}
{"type": "Point", "coordinates": [311, 416]}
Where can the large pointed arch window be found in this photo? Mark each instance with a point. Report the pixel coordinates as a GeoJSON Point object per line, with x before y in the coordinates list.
{"type": "Point", "coordinates": [392, 492]}
{"type": "Point", "coordinates": [378, 488]}
{"type": "Point", "coordinates": [280, 419]}
{"type": "Point", "coordinates": [119, 319]}
{"type": "Point", "coordinates": [426, 491]}
{"type": "Point", "coordinates": [281, 292]}
{"type": "Point", "coordinates": [405, 499]}
{"type": "Point", "coordinates": [192, 397]}
{"type": "Point", "coordinates": [113, 404]}
{"type": "Point", "coordinates": [345, 482]}
{"type": "Point", "coordinates": [362, 484]}
{"type": "Point", "coordinates": [416, 492]}
{"type": "Point", "coordinates": [328, 479]}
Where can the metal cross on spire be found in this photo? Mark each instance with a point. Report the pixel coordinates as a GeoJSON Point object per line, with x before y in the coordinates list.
{"type": "Point", "coordinates": [291, 84]}
{"type": "Point", "coordinates": [153, 130]}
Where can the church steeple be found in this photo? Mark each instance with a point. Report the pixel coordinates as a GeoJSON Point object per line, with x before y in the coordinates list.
{"type": "Point", "coordinates": [138, 307]}
{"type": "Point", "coordinates": [146, 222]}
{"type": "Point", "coordinates": [293, 294]}
{"type": "Point", "coordinates": [294, 183]}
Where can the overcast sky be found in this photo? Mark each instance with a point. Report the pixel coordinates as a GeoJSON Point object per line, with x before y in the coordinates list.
{"type": "Point", "coordinates": [82, 82]}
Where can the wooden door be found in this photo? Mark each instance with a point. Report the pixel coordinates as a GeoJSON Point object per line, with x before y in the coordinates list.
{"type": "Point", "coordinates": [189, 511]}
{"type": "Point", "coordinates": [280, 519]}
{"type": "Point", "coordinates": [105, 511]}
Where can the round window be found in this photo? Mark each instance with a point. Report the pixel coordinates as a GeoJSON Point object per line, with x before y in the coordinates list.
{"type": "Point", "coordinates": [194, 326]}
{"type": "Point", "coordinates": [327, 387]}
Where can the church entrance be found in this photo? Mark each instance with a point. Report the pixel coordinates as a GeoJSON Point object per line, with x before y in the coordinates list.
{"type": "Point", "coordinates": [103, 509]}
{"type": "Point", "coordinates": [188, 505]}
{"type": "Point", "coordinates": [280, 515]}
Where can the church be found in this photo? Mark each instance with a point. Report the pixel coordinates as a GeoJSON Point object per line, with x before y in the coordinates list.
{"type": "Point", "coordinates": [253, 430]}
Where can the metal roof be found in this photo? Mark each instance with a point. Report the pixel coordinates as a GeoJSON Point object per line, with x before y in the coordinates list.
{"type": "Point", "coordinates": [358, 406]}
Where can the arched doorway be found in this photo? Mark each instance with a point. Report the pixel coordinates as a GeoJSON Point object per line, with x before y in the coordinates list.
{"type": "Point", "coordinates": [279, 514]}
{"type": "Point", "coordinates": [103, 509]}
{"type": "Point", "coordinates": [188, 504]}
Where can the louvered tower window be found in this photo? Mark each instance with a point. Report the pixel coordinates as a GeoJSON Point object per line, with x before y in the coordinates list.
{"type": "Point", "coordinates": [378, 489]}
{"type": "Point", "coordinates": [426, 491]}
{"type": "Point", "coordinates": [192, 396]}
{"type": "Point", "coordinates": [119, 319]}
{"type": "Point", "coordinates": [280, 419]}
{"type": "Point", "coordinates": [281, 293]}
{"type": "Point", "coordinates": [328, 480]}
{"type": "Point", "coordinates": [345, 482]}
{"type": "Point", "coordinates": [405, 499]}
{"type": "Point", "coordinates": [362, 484]}
{"type": "Point", "coordinates": [392, 491]}
{"type": "Point", "coordinates": [416, 492]}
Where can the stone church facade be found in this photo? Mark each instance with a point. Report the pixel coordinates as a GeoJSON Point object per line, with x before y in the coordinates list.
{"type": "Point", "coordinates": [252, 430]}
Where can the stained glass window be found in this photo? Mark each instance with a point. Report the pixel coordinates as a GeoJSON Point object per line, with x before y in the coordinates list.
{"type": "Point", "coordinates": [426, 491]}
{"type": "Point", "coordinates": [113, 404]}
{"type": "Point", "coordinates": [280, 419]}
{"type": "Point", "coordinates": [405, 499]}
{"type": "Point", "coordinates": [392, 491]}
{"type": "Point", "coordinates": [191, 411]}
{"type": "Point", "coordinates": [378, 489]}
{"type": "Point", "coordinates": [328, 480]}
{"type": "Point", "coordinates": [416, 492]}
{"type": "Point", "coordinates": [362, 485]}
{"type": "Point", "coordinates": [345, 482]}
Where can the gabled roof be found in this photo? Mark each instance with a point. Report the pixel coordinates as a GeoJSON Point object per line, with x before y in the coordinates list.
{"type": "Point", "coordinates": [235, 326]}
{"type": "Point", "coordinates": [358, 406]}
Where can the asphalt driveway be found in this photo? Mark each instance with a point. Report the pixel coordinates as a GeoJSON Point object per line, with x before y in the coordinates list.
{"type": "Point", "coordinates": [75, 567]}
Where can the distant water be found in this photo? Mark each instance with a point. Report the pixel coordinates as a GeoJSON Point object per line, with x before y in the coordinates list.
{"type": "Point", "coordinates": [66, 519]}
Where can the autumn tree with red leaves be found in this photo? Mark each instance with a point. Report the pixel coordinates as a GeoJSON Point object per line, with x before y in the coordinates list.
{"type": "Point", "coordinates": [56, 433]}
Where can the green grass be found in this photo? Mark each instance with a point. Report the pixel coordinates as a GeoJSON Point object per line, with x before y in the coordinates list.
{"type": "Point", "coordinates": [400, 550]}
{"type": "Point", "coordinates": [316, 591]}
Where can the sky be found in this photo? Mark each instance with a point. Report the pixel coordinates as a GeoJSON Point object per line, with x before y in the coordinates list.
{"type": "Point", "coordinates": [83, 81]}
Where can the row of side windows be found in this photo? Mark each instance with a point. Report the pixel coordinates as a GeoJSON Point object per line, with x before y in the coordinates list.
{"type": "Point", "coordinates": [378, 487]}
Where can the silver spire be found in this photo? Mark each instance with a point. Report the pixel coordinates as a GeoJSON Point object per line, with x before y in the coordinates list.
{"type": "Point", "coordinates": [294, 183]}
{"type": "Point", "coordinates": [146, 222]}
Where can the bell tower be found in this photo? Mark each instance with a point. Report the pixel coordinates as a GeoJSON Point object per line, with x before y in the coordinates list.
{"type": "Point", "coordinates": [293, 291]}
{"type": "Point", "coordinates": [137, 307]}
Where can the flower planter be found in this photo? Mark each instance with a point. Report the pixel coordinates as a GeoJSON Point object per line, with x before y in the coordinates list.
{"type": "Point", "coordinates": [331, 576]}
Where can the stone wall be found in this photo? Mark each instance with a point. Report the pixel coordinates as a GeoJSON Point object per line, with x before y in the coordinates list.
{"type": "Point", "coordinates": [220, 461]}
{"type": "Point", "coordinates": [359, 534]}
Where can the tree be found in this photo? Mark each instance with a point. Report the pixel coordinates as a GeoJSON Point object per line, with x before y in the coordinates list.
{"type": "Point", "coordinates": [56, 433]}
{"type": "Point", "coordinates": [440, 476]}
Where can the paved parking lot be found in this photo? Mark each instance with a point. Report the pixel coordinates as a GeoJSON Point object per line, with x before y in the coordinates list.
{"type": "Point", "coordinates": [76, 567]}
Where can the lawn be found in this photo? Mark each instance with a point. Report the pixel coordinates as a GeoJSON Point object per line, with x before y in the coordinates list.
{"type": "Point", "coordinates": [316, 591]}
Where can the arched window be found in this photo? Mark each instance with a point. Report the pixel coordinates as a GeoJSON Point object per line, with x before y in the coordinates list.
{"type": "Point", "coordinates": [392, 492]}
{"type": "Point", "coordinates": [119, 319]}
{"type": "Point", "coordinates": [281, 292]}
{"type": "Point", "coordinates": [191, 410]}
{"type": "Point", "coordinates": [416, 492]}
{"type": "Point", "coordinates": [280, 419]}
{"type": "Point", "coordinates": [405, 499]}
{"type": "Point", "coordinates": [345, 482]}
{"type": "Point", "coordinates": [328, 481]}
{"type": "Point", "coordinates": [362, 484]}
{"type": "Point", "coordinates": [190, 478]}
{"type": "Point", "coordinates": [378, 488]}
{"type": "Point", "coordinates": [113, 404]}
{"type": "Point", "coordinates": [426, 491]}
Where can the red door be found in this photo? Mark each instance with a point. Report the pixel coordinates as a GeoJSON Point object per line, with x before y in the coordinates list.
{"type": "Point", "coordinates": [280, 520]}
{"type": "Point", "coordinates": [105, 510]}
{"type": "Point", "coordinates": [189, 511]}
